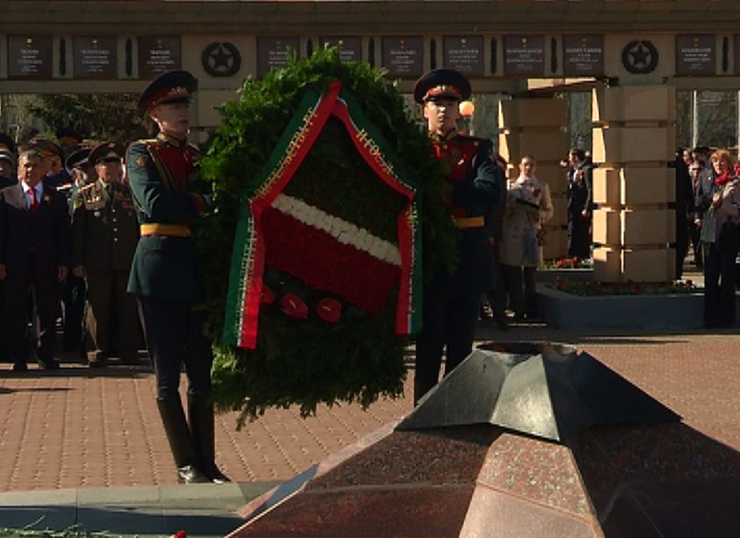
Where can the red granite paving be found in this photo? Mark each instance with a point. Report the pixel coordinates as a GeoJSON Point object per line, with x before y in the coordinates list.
{"type": "Point", "coordinates": [81, 428]}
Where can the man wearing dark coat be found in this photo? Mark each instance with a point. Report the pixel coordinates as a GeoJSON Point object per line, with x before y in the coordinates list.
{"type": "Point", "coordinates": [580, 204]}
{"type": "Point", "coordinates": [164, 274]}
{"type": "Point", "coordinates": [105, 233]}
{"type": "Point", "coordinates": [34, 258]}
{"type": "Point", "coordinates": [703, 189]}
{"type": "Point", "coordinates": [451, 301]}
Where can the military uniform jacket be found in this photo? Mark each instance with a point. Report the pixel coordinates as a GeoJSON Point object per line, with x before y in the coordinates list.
{"type": "Point", "coordinates": [105, 231]}
{"type": "Point", "coordinates": [477, 185]}
{"type": "Point", "coordinates": [164, 266]}
{"type": "Point", "coordinates": [40, 242]}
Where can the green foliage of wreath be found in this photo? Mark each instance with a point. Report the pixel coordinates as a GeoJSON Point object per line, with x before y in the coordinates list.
{"type": "Point", "coordinates": [307, 362]}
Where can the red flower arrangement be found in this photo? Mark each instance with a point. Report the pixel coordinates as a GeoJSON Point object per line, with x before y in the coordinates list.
{"type": "Point", "coordinates": [568, 263]}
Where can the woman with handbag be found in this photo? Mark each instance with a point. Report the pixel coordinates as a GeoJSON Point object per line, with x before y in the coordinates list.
{"type": "Point", "coordinates": [529, 206]}
{"type": "Point", "coordinates": [720, 237]}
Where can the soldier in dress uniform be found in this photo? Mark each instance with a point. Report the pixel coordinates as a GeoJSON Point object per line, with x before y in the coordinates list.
{"type": "Point", "coordinates": [105, 233]}
{"type": "Point", "coordinates": [450, 307]}
{"type": "Point", "coordinates": [164, 275]}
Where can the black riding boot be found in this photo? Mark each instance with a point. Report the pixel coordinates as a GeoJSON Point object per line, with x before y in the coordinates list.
{"type": "Point", "coordinates": [181, 444]}
{"type": "Point", "coordinates": [200, 413]}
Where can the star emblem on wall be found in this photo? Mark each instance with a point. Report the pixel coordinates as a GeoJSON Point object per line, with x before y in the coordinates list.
{"type": "Point", "coordinates": [221, 59]}
{"type": "Point", "coordinates": [640, 57]}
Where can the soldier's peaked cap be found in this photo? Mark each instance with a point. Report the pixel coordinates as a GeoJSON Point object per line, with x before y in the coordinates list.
{"type": "Point", "coordinates": [7, 142]}
{"type": "Point", "coordinates": [7, 155]}
{"type": "Point", "coordinates": [44, 145]}
{"type": "Point", "coordinates": [105, 151]}
{"type": "Point", "coordinates": [77, 158]}
{"type": "Point", "coordinates": [170, 87]}
{"type": "Point", "coordinates": [442, 84]}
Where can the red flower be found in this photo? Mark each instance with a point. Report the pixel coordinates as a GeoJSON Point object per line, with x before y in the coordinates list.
{"type": "Point", "coordinates": [330, 310]}
{"type": "Point", "coordinates": [181, 534]}
{"type": "Point", "coordinates": [266, 297]}
{"type": "Point", "coordinates": [294, 306]}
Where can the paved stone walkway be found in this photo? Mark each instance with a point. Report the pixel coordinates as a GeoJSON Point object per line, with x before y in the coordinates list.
{"type": "Point", "coordinates": [81, 428]}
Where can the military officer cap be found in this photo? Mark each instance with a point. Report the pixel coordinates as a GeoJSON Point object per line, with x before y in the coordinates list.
{"type": "Point", "coordinates": [6, 155]}
{"type": "Point", "coordinates": [68, 136]}
{"type": "Point", "coordinates": [77, 158]}
{"type": "Point", "coordinates": [106, 152]}
{"type": "Point", "coordinates": [6, 142]}
{"type": "Point", "coordinates": [46, 146]}
{"type": "Point", "coordinates": [170, 87]}
{"type": "Point", "coordinates": [440, 84]}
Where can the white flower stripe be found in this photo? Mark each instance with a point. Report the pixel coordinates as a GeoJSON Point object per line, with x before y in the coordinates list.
{"type": "Point", "coordinates": [343, 231]}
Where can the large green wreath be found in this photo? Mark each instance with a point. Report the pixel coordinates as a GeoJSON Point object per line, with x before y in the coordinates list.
{"type": "Point", "coordinates": [309, 363]}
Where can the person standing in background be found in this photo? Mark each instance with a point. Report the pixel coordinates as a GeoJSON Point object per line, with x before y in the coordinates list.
{"type": "Point", "coordinates": [528, 207]}
{"type": "Point", "coordinates": [34, 258]}
{"type": "Point", "coordinates": [580, 204]}
{"type": "Point", "coordinates": [105, 233]}
{"type": "Point", "coordinates": [720, 236]}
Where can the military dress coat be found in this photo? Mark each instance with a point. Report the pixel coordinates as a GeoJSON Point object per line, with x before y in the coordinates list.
{"type": "Point", "coordinates": [476, 183]}
{"type": "Point", "coordinates": [164, 266]}
{"type": "Point", "coordinates": [105, 231]}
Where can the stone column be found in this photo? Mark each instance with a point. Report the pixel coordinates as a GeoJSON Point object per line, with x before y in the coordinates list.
{"type": "Point", "coordinates": [534, 126]}
{"type": "Point", "coordinates": [633, 140]}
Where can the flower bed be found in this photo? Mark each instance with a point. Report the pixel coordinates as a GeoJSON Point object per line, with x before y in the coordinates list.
{"type": "Point", "coordinates": [591, 287]}
{"type": "Point", "coordinates": [568, 263]}
{"type": "Point", "coordinates": [621, 312]}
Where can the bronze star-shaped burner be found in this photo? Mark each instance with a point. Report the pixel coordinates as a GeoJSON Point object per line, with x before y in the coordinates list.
{"type": "Point", "coordinates": [536, 389]}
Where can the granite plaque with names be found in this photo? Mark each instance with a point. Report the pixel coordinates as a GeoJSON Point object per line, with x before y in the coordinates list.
{"type": "Point", "coordinates": [583, 55]}
{"type": "Point", "coordinates": [524, 55]}
{"type": "Point", "coordinates": [95, 57]}
{"type": "Point", "coordinates": [696, 54]}
{"type": "Point", "coordinates": [403, 56]}
{"type": "Point", "coordinates": [275, 52]}
{"type": "Point", "coordinates": [30, 57]}
{"type": "Point", "coordinates": [158, 55]}
{"type": "Point", "coordinates": [350, 48]}
{"type": "Point", "coordinates": [464, 54]}
{"type": "Point", "coordinates": [737, 54]}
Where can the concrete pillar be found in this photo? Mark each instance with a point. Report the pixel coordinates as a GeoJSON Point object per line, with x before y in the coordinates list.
{"type": "Point", "coordinates": [534, 126]}
{"type": "Point", "coordinates": [633, 140]}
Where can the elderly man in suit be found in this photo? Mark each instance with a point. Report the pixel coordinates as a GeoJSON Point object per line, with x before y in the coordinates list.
{"type": "Point", "coordinates": [34, 257]}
